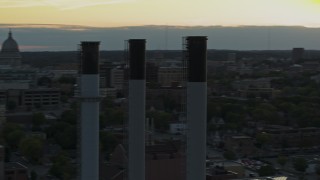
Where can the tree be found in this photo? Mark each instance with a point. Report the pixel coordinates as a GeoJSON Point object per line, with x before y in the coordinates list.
{"type": "Point", "coordinates": [38, 119]}
{"type": "Point", "coordinates": [318, 169]}
{"type": "Point", "coordinates": [14, 138]}
{"type": "Point", "coordinates": [67, 80]}
{"type": "Point", "coordinates": [32, 148]}
{"type": "Point", "coordinates": [282, 160]}
{"type": "Point", "coordinates": [69, 116]}
{"type": "Point", "coordinates": [44, 81]}
{"type": "Point", "coordinates": [115, 116]}
{"type": "Point", "coordinates": [229, 155]}
{"type": "Point", "coordinates": [108, 142]}
{"type": "Point", "coordinates": [300, 164]}
{"type": "Point", "coordinates": [266, 113]}
{"type": "Point", "coordinates": [102, 121]}
{"type": "Point", "coordinates": [161, 119]}
{"type": "Point", "coordinates": [65, 135]}
{"type": "Point", "coordinates": [11, 105]}
{"type": "Point", "coordinates": [7, 133]}
{"type": "Point", "coordinates": [62, 167]}
{"type": "Point", "coordinates": [33, 175]}
{"type": "Point", "coordinates": [262, 139]}
{"type": "Point", "coordinates": [267, 170]}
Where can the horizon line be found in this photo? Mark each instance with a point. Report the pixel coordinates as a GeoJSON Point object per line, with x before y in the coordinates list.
{"type": "Point", "coordinates": [71, 26]}
{"type": "Point", "coordinates": [177, 50]}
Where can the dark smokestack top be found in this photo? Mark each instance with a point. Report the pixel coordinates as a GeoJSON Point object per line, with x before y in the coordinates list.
{"type": "Point", "coordinates": [90, 57]}
{"type": "Point", "coordinates": [197, 58]}
{"type": "Point", "coordinates": [137, 56]}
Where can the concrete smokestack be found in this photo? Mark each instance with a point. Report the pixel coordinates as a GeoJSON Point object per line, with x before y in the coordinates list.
{"type": "Point", "coordinates": [137, 83]}
{"type": "Point", "coordinates": [89, 94]}
{"type": "Point", "coordinates": [196, 107]}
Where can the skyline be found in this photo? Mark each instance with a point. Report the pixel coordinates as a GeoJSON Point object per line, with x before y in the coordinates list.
{"type": "Point", "coordinates": [118, 13]}
{"type": "Point", "coordinates": [66, 38]}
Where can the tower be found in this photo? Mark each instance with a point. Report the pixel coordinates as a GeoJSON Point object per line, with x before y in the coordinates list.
{"type": "Point", "coordinates": [137, 91]}
{"type": "Point", "coordinates": [89, 115]}
{"type": "Point", "coordinates": [196, 47]}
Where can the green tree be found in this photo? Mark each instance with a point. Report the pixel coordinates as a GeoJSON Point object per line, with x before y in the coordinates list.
{"type": "Point", "coordinates": [9, 128]}
{"type": "Point", "coordinates": [115, 116]}
{"type": "Point", "coordinates": [282, 160]}
{"type": "Point", "coordinates": [69, 116]}
{"type": "Point", "coordinates": [33, 175]}
{"type": "Point", "coordinates": [102, 121]}
{"type": "Point", "coordinates": [11, 105]}
{"type": "Point", "coordinates": [62, 167]}
{"type": "Point", "coordinates": [300, 164]}
{"type": "Point", "coordinates": [262, 139]}
{"type": "Point", "coordinates": [267, 170]}
{"type": "Point", "coordinates": [38, 119]}
{"type": "Point", "coordinates": [44, 81]}
{"type": "Point", "coordinates": [64, 134]}
{"type": "Point", "coordinates": [67, 80]}
{"type": "Point", "coordinates": [32, 148]}
{"type": "Point", "coordinates": [266, 113]}
{"type": "Point", "coordinates": [318, 170]}
{"type": "Point", "coordinates": [14, 138]}
{"type": "Point", "coordinates": [229, 155]}
{"type": "Point", "coordinates": [108, 142]}
{"type": "Point", "coordinates": [161, 119]}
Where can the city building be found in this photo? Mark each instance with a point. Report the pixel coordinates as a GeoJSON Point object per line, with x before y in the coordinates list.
{"type": "Point", "coordinates": [289, 138]}
{"type": "Point", "coordinates": [170, 76]}
{"type": "Point", "coordinates": [16, 73]}
{"type": "Point", "coordinates": [177, 128]}
{"type": "Point", "coordinates": [105, 73]}
{"type": "Point", "coordinates": [117, 78]}
{"type": "Point", "coordinates": [162, 97]}
{"type": "Point", "coordinates": [29, 98]}
{"type": "Point", "coordinates": [151, 72]}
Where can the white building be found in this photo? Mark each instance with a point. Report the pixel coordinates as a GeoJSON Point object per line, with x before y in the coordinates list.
{"type": "Point", "coordinates": [178, 128]}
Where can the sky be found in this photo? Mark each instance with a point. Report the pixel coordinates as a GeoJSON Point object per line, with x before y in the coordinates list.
{"type": "Point", "coordinates": [116, 13]}
{"type": "Point", "coordinates": [66, 38]}
{"type": "Point", "coordinates": [41, 25]}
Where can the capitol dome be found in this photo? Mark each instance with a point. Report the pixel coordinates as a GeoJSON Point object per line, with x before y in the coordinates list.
{"type": "Point", "coordinates": [10, 54]}
{"type": "Point", "coordinates": [10, 45]}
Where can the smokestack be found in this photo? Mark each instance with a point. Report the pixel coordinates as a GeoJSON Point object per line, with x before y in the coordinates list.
{"type": "Point", "coordinates": [196, 107]}
{"type": "Point", "coordinates": [89, 95]}
{"type": "Point", "coordinates": [137, 82]}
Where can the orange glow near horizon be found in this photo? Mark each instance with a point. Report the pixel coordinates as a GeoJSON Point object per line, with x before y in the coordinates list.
{"type": "Point", "coordinates": [115, 13]}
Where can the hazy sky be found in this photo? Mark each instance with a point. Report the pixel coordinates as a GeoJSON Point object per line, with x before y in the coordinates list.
{"type": "Point", "coordinates": [66, 38]}
{"type": "Point", "coordinates": [111, 13]}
